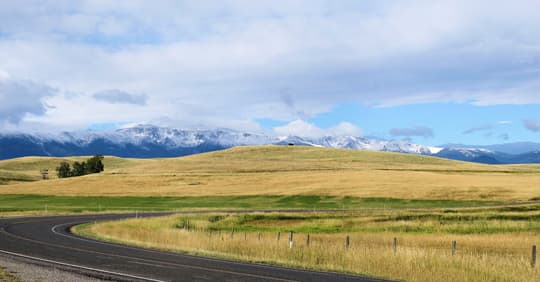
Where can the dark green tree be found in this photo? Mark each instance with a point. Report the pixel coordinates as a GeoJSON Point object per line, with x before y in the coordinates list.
{"type": "Point", "coordinates": [95, 164]}
{"type": "Point", "coordinates": [63, 170]}
{"type": "Point", "coordinates": [79, 168]}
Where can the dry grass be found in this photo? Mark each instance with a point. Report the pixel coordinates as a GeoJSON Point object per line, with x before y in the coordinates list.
{"type": "Point", "coordinates": [28, 168]}
{"type": "Point", "coordinates": [419, 257]}
{"type": "Point", "coordinates": [273, 170]}
{"type": "Point", "coordinates": [5, 276]}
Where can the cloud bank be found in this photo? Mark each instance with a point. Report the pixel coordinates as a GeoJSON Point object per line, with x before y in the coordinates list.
{"type": "Point", "coordinates": [478, 128]}
{"type": "Point", "coordinates": [19, 98]}
{"type": "Point", "coordinates": [421, 131]}
{"type": "Point", "coordinates": [306, 129]}
{"type": "Point", "coordinates": [532, 124]}
{"type": "Point", "coordinates": [233, 62]}
{"type": "Point", "coordinates": [115, 96]}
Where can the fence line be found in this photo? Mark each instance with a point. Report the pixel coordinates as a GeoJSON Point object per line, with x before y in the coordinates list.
{"type": "Point", "coordinates": [310, 240]}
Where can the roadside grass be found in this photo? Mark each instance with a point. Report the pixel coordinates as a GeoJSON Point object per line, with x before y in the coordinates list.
{"type": "Point", "coordinates": [416, 199]}
{"type": "Point", "coordinates": [51, 204]}
{"type": "Point", "coordinates": [488, 248]}
{"type": "Point", "coordinates": [5, 276]}
{"type": "Point", "coordinates": [286, 171]}
{"type": "Point", "coordinates": [459, 221]}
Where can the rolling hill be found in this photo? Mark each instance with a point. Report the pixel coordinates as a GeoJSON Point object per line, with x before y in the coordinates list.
{"type": "Point", "coordinates": [284, 170]}
{"type": "Point", "coordinates": [147, 141]}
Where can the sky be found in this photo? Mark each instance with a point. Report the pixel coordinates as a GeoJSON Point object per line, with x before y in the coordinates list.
{"type": "Point", "coordinates": [430, 72]}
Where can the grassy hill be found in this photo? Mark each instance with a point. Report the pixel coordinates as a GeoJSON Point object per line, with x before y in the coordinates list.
{"type": "Point", "coordinates": [28, 168]}
{"type": "Point", "coordinates": [385, 196]}
{"type": "Point", "coordinates": [281, 170]}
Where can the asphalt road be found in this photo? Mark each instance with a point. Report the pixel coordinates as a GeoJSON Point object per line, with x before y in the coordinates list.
{"type": "Point", "coordinates": [47, 240]}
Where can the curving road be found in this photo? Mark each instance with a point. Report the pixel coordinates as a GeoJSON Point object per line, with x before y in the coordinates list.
{"type": "Point", "coordinates": [47, 240]}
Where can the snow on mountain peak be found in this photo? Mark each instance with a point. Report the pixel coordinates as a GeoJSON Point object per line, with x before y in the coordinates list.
{"type": "Point", "coordinates": [144, 135]}
{"type": "Point", "coordinates": [148, 141]}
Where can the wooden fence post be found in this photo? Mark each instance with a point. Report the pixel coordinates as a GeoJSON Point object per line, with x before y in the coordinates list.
{"type": "Point", "coordinates": [232, 233]}
{"type": "Point", "coordinates": [454, 247]}
{"type": "Point", "coordinates": [259, 236]}
{"type": "Point", "coordinates": [307, 240]}
{"type": "Point", "coordinates": [395, 245]}
{"type": "Point", "coordinates": [278, 235]}
{"type": "Point", "coordinates": [290, 239]}
{"type": "Point", "coordinates": [533, 256]}
{"type": "Point", "coordinates": [347, 242]}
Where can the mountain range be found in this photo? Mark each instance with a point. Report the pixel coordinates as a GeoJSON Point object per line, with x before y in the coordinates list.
{"type": "Point", "coordinates": [147, 141]}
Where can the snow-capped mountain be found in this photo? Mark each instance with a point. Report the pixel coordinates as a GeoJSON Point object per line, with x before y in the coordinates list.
{"type": "Point", "coordinates": [481, 155]}
{"type": "Point", "coordinates": [477, 155]}
{"type": "Point", "coordinates": [172, 137]}
{"type": "Point", "coordinates": [147, 141]}
{"type": "Point", "coordinates": [361, 143]}
{"type": "Point", "coordinates": [142, 141]}
{"type": "Point", "coordinates": [514, 148]}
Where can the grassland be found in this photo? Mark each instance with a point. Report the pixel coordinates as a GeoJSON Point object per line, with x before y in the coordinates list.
{"type": "Point", "coordinates": [284, 171]}
{"type": "Point", "coordinates": [420, 200]}
{"type": "Point", "coordinates": [16, 204]}
{"type": "Point", "coordinates": [28, 169]}
{"type": "Point", "coordinates": [494, 243]}
{"type": "Point", "coordinates": [5, 276]}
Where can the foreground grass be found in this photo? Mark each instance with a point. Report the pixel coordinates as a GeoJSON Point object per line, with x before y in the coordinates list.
{"type": "Point", "coordinates": [44, 203]}
{"type": "Point", "coordinates": [494, 244]}
{"type": "Point", "coordinates": [274, 170]}
{"type": "Point", "coordinates": [5, 276]}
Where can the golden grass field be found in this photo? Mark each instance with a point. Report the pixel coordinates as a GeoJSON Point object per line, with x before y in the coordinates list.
{"type": "Point", "coordinates": [493, 242]}
{"type": "Point", "coordinates": [281, 170]}
{"type": "Point", "coordinates": [497, 255]}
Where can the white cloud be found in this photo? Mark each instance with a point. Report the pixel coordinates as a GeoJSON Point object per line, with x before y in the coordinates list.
{"type": "Point", "coordinates": [20, 98]}
{"type": "Point", "coordinates": [486, 127]}
{"type": "Point", "coordinates": [4, 75]}
{"type": "Point", "coordinates": [345, 129]}
{"type": "Point", "coordinates": [116, 96]}
{"type": "Point", "coordinates": [423, 131]}
{"type": "Point", "coordinates": [532, 124]}
{"type": "Point", "coordinates": [299, 128]}
{"type": "Point", "coordinates": [306, 129]}
{"type": "Point", "coordinates": [244, 60]}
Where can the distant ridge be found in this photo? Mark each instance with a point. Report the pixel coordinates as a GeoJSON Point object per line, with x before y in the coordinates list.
{"type": "Point", "coordinates": [148, 141]}
{"type": "Point", "coordinates": [514, 148]}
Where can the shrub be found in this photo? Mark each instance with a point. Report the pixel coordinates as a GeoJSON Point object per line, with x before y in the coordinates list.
{"type": "Point", "coordinates": [79, 168]}
{"type": "Point", "coordinates": [92, 165]}
{"type": "Point", "coordinates": [63, 170]}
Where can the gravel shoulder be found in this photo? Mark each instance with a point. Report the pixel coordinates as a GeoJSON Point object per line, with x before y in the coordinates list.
{"type": "Point", "coordinates": [19, 270]}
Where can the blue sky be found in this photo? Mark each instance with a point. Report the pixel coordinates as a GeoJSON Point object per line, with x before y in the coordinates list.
{"type": "Point", "coordinates": [448, 122]}
{"type": "Point", "coordinates": [432, 72]}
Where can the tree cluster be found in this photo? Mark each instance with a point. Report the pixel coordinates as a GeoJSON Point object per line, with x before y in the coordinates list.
{"type": "Point", "coordinates": [92, 165]}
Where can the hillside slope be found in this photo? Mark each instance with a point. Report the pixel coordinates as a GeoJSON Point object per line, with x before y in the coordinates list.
{"type": "Point", "coordinates": [290, 170]}
{"type": "Point", "coordinates": [148, 141]}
